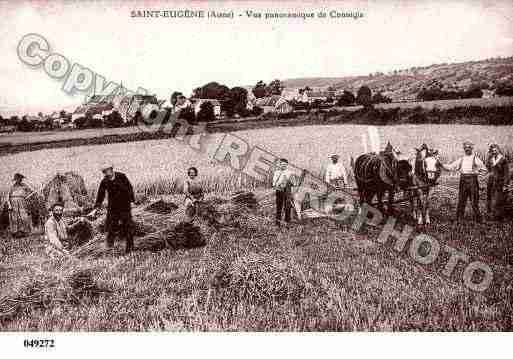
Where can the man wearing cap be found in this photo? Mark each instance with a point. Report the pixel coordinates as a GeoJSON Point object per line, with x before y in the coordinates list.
{"type": "Point", "coordinates": [336, 174]}
{"type": "Point", "coordinates": [498, 168]}
{"type": "Point", "coordinates": [469, 166]}
{"type": "Point", "coordinates": [120, 197]}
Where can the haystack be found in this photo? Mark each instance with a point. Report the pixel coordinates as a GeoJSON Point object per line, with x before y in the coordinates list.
{"type": "Point", "coordinates": [259, 278]}
{"type": "Point", "coordinates": [45, 292]}
{"type": "Point", "coordinates": [161, 207]}
{"type": "Point", "coordinates": [245, 199]}
{"type": "Point", "coordinates": [219, 212]}
{"type": "Point", "coordinates": [68, 188]}
{"type": "Point", "coordinates": [183, 235]}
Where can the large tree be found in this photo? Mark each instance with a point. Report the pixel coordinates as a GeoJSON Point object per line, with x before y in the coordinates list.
{"type": "Point", "coordinates": [275, 88]}
{"type": "Point", "coordinates": [237, 102]}
{"type": "Point", "coordinates": [364, 96]}
{"type": "Point", "coordinates": [347, 99]}
{"type": "Point", "coordinates": [380, 98]}
{"type": "Point", "coordinates": [212, 90]}
{"type": "Point", "coordinates": [260, 89]}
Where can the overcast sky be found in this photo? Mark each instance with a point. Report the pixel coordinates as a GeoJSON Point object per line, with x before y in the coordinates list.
{"type": "Point", "coordinates": [164, 55]}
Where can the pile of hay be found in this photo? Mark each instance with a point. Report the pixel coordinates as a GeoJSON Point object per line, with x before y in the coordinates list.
{"type": "Point", "coordinates": [44, 292]}
{"type": "Point", "coordinates": [82, 233]}
{"type": "Point", "coordinates": [219, 212]}
{"type": "Point", "coordinates": [184, 235]}
{"type": "Point", "coordinates": [68, 188]}
{"type": "Point", "coordinates": [161, 207]}
{"type": "Point", "coordinates": [244, 199]}
{"type": "Point", "coordinates": [258, 278]}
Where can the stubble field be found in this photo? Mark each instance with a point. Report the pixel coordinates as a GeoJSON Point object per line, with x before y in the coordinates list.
{"type": "Point", "coordinates": [314, 275]}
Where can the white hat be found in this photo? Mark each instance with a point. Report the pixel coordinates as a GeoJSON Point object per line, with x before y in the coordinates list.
{"type": "Point", "coordinates": [106, 166]}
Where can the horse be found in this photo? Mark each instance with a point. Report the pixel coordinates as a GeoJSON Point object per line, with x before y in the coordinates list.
{"type": "Point", "coordinates": [427, 170]}
{"type": "Point", "coordinates": [376, 174]}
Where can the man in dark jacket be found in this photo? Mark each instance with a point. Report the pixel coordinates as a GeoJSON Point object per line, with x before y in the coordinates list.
{"type": "Point", "coordinates": [120, 197]}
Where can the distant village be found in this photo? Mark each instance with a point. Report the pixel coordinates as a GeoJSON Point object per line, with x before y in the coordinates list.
{"type": "Point", "coordinates": [215, 101]}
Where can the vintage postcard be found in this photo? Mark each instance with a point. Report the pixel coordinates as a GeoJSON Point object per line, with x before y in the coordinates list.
{"type": "Point", "coordinates": [255, 166]}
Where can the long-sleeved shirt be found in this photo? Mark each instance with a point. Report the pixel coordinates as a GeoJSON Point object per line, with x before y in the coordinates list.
{"type": "Point", "coordinates": [120, 192]}
{"type": "Point", "coordinates": [499, 169]}
{"type": "Point", "coordinates": [281, 179]}
{"type": "Point", "coordinates": [466, 165]}
{"type": "Point", "coordinates": [56, 231]}
{"type": "Point", "coordinates": [192, 189]}
{"type": "Point", "coordinates": [335, 171]}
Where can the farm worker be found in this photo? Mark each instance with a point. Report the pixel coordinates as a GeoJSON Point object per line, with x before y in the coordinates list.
{"type": "Point", "coordinates": [469, 167]}
{"type": "Point", "coordinates": [56, 231]}
{"type": "Point", "coordinates": [20, 222]}
{"type": "Point", "coordinates": [193, 192]}
{"type": "Point", "coordinates": [282, 185]}
{"type": "Point", "coordinates": [120, 196]}
{"type": "Point", "coordinates": [336, 174]}
{"type": "Point", "coordinates": [497, 181]}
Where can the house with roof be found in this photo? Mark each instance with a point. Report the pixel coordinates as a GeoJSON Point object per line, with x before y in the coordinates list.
{"type": "Point", "coordinates": [274, 103]}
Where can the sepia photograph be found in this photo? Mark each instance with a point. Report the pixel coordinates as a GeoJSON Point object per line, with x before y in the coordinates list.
{"type": "Point", "coordinates": [255, 166]}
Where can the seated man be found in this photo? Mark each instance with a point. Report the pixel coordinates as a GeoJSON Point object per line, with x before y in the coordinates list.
{"type": "Point", "coordinates": [56, 231]}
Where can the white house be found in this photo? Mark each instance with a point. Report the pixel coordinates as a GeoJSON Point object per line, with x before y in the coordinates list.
{"type": "Point", "coordinates": [274, 103]}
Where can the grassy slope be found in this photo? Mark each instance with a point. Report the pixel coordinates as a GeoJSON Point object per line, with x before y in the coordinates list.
{"type": "Point", "coordinates": [316, 275]}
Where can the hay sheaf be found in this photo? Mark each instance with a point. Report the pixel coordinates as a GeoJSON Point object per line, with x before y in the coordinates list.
{"type": "Point", "coordinates": [70, 189]}
{"type": "Point", "coordinates": [259, 278]}
{"type": "Point", "coordinates": [219, 212]}
{"type": "Point", "coordinates": [47, 291]}
{"type": "Point", "coordinates": [82, 233]}
{"type": "Point", "coordinates": [184, 235]}
{"type": "Point", "coordinates": [161, 207]}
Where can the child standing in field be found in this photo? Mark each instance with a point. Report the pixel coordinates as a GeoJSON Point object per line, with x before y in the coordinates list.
{"type": "Point", "coordinates": [193, 192]}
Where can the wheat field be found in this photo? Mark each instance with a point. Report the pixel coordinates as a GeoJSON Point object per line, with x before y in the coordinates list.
{"type": "Point", "coordinates": [315, 275]}
{"type": "Point", "coordinates": [159, 165]}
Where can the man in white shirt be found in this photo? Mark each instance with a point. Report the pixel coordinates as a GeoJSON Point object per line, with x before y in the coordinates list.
{"type": "Point", "coordinates": [469, 166]}
{"type": "Point", "coordinates": [336, 175]}
{"type": "Point", "coordinates": [57, 231]}
{"type": "Point", "coordinates": [282, 184]}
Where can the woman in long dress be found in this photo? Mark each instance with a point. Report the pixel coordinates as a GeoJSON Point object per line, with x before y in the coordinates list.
{"type": "Point", "coordinates": [193, 193]}
{"type": "Point", "coordinates": [499, 177]}
{"type": "Point", "coordinates": [20, 221]}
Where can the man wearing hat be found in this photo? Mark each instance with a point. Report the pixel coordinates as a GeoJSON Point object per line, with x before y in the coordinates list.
{"type": "Point", "coordinates": [336, 174]}
{"type": "Point", "coordinates": [469, 166]}
{"type": "Point", "coordinates": [120, 196]}
{"type": "Point", "coordinates": [498, 168]}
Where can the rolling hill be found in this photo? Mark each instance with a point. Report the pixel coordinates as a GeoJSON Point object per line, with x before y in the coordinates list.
{"type": "Point", "coordinates": [404, 84]}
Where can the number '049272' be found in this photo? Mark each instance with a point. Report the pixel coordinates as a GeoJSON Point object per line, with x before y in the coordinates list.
{"type": "Point", "coordinates": [39, 343]}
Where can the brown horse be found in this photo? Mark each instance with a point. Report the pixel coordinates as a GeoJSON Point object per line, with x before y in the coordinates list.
{"type": "Point", "coordinates": [376, 174]}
